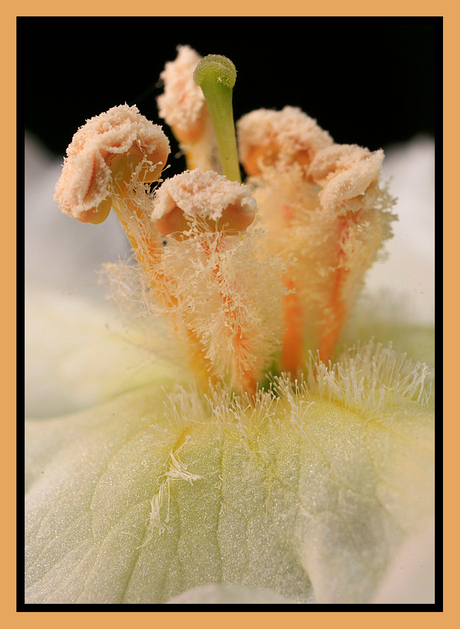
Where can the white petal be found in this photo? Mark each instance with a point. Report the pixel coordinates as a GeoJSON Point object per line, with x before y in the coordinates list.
{"type": "Point", "coordinates": [411, 577]}
{"type": "Point", "coordinates": [79, 355]}
{"type": "Point", "coordinates": [128, 503]}
{"type": "Point", "coordinates": [407, 275]}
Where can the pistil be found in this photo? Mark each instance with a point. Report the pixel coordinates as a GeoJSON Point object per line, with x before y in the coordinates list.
{"type": "Point", "coordinates": [216, 75]}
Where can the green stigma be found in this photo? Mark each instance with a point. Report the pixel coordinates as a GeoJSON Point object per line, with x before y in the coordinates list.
{"type": "Point", "coordinates": [216, 75]}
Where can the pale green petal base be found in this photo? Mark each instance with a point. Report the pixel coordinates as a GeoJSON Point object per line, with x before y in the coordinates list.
{"type": "Point", "coordinates": [145, 497]}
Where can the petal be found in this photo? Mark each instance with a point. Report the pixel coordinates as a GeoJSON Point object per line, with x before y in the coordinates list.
{"type": "Point", "coordinates": [228, 594]}
{"type": "Point", "coordinates": [148, 496]}
{"type": "Point", "coordinates": [78, 355]}
{"type": "Point", "coordinates": [411, 576]}
{"type": "Point", "coordinates": [407, 275]}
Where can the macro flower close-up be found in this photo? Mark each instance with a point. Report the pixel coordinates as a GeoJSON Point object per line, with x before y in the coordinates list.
{"type": "Point", "coordinates": [239, 407]}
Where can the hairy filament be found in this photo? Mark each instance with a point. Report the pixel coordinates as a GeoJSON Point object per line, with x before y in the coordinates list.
{"type": "Point", "coordinates": [335, 310]}
{"type": "Point", "coordinates": [243, 374]}
{"type": "Point", "coordinates": [321, 203]}
{"type": "Point", "coordinates": [223, 289]}
{"type": "Point", "coordinates": [292, 342]}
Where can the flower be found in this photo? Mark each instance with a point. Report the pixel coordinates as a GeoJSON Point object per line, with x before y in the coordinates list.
{"type": "Point", "coordinates": [307, 487]}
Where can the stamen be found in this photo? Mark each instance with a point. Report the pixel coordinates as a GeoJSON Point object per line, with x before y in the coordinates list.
{"type": "Point", "coordinates": [216, 75]}
{"type": "Point", "coordinates": [321, 203]}
{"type": "Point", "coordinates": [219, 282]}
{"type": "Point", "coordinates": [110, 161]}
{"type": "Point", "coordinates": [283, 138]}
{"type": "Point", "coordinates": [348, 176]}
{"type": "Point", "coordinates": [114, 147]}
{"type": "Point", "coordinates": [183, 107]}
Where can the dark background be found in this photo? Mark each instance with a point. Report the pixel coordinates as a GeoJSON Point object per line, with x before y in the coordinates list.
{"type": "Point", "coordinates": [369, 81]}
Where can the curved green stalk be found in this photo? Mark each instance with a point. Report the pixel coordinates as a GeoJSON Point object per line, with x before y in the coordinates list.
{"type": "Point", "coordinates": [216, 75]}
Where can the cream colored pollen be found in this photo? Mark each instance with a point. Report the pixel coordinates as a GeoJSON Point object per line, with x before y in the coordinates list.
{"type": "Point", "coordinates": [345, 172]}
{"type": "Point", "coordinates": [203, 194]}
{"type": "Point", "coordinates": [182, 102]}
{"type": "Point", "coordinates": [87, 174]}
{"type": "Point", "coordinates": [290, 129]}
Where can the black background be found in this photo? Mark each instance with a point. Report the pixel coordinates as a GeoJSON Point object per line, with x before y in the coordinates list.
{"type": "Point", "coordinates": [369, 81]}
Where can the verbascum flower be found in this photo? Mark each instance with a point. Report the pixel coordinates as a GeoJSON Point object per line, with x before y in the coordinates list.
{"type": "Point", "coordinates": [270, 468]}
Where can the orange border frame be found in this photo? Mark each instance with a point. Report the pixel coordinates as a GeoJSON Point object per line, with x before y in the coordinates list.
{"type": "Point", "coordinates": [203, 620]}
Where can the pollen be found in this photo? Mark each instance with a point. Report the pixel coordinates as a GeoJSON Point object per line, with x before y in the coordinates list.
{"type": "Point", "coordinates": [203, 198]}
{"type": "Point", "coordinates": [117, 146]}
{"type": "Point", "coordinates": [183, 107]}
{"type": "Point", "coordinates": [346, 173]}
{"type": "Point", "coordinates": [266, 137]}
{"type": "Point", "coordinates": [182, 104]}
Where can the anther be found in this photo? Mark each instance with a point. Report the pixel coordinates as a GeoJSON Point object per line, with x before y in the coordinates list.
{"type": "Point", "coordinates": [183, 107]}
{"type": "Point", "coordinates": [202, 201]}
{"type": "Point", "coordinates": [267, 137]}
{"type": "Point", "coordinates": [109, 155]}
{"type": "Point", "coordinates": [346, 173]}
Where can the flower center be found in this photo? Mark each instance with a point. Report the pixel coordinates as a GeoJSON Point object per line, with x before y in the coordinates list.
{"type": "Point", "coordinates": [242, 300]}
